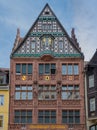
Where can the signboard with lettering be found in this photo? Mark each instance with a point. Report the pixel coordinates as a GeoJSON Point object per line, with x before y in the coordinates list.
{"type": "Point", "coordinates": [54, 126]}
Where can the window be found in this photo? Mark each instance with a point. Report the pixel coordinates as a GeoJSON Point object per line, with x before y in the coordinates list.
{"type": "Point", "coordinates": [91, 81]}
{"type": "Point", "coordinates": [93, 128]}
{"type": "Point", "coordinates": [64, 69]}
{"type": "Point", "coordinates": [29, 68]}
{"type": "Point", "coordinates": [47, 12]}
{"type": "Point", "coordinates": [70, 69]}
{"type": "Point", "coordinates": [24, 68]}
{"type": "Point", "coordinates": [1, 100]}
{"type": "Point", "coordinates": [41, 68]}
{"type": "Point", "coordinates": [70, 72]}
{"type": "Point", "coordinates": [47, 92]}
{"type": "Point", "coordinates": [47, 68]}
{"type": "Point", "coordinates": [70, 92]}
{"type": "Point", "coordinates": [92, 104]}
{"type": "Point", "coordinates": [18, 68]}
{"type": "Point", "coordinates": [70, 116]}
{"type": "Point", "coordinates": [33, 44]}
{"type": "Point", "coordinates": [47, 26]}
{"type": "Point", "coordinates": [23, 116]}
{"type": "Point", "coordinates": [76, 69]}
{"type": "Point", "coordinates": [47, 116]}
{"type": "Point", "coordinates": [1, 121]}
{"type": "Point", "coordinates": [53, 68]}
{"type": "Point", "coordinates": [61, 45]}
{"type": "Point", "coordinates": [23, 93]}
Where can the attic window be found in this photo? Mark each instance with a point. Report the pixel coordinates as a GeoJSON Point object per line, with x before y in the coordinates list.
{"type": "Point", "coordinates": [47, 12]}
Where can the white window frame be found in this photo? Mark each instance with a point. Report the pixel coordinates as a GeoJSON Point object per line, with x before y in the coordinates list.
{"type": "Point", "coordinates": [91, 81]}
{"type": "Point", "coordinates": [92, 104]}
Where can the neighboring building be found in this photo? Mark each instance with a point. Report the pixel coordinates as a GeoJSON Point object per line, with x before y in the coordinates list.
{"type": "Point", "coordinates": [47, 79]}
{"type": "Point", "coordinates": [4, 98]}
{"type": "Point", "coordinates": [91, 93]}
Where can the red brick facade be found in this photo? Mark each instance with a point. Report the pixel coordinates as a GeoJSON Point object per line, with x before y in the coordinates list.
{"type": "Point", "coordinates": [54, 101]}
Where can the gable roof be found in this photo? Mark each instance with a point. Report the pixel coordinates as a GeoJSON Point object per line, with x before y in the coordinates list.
{"type": "Point", "coordinates": [93, 60]}
{"type": "Point", "coordinates": [70, 39]}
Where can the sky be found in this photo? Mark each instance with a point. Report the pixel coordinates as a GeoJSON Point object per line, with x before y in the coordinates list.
{"type": "Point", "coordinates": [78, 14]}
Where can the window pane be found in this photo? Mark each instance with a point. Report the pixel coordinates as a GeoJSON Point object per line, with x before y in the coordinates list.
{"type": "Point", "coordinates": [76, 87]}
{"type": "Point", "coordinates": [29, 120]}
{"type": "Point", "coordinates": [53, 113]}
{"type": "Point", "coordinates": [64, 69]}
{"type": "Point", "coordinates": [33, 44]}
{"type": "Point", "coordinates": [70, 69]}
{"type": "Point", "coordinates": [17, 95]}
{"type": "Point", "coordinates": [41, 68]}
{"type": "Point", "coordinates": [23, 119]}
{"type": "Point", "coordinates": [64, 87]}
{"type": "Point", "coordinates": [77, 119]}
{"type": "Point", "coordinates": [70, 119]}
{"type": "Point", "coordinates": [17, 88]}
{"type": "Point", "coordinates": [53, 68]}
{"type": "Point", "coordinates": [24, 88]}
{"type": "Point", "coordinates": [76, 95]}
{"type": "Point", "coordinates": [61, 45]}
{"type": "Point", "coordinates": [23, 95]}
{"type": "Point", "coordinates": [47, 113]}
{"type": "Point", "coordinates": [76, 70]}
{"type": "Point", "coordinates": [17, 113]}
{"type": "Point", "coordinates": [92, 104]}
{"type": "Point", "coordinates": [64, 119]}
{"type": "Point", "coordinates": [70, 87]}
{"type": "Point", "coordinates": [18, 68]}
{"type": "Point", "coordinates": [29, 113]}
{"type": "Point", "coordinates": [64, 95]}
{"type": "Point", "coordinates": [47, 68]}
{"type": "Point", "coordinates": [17, 120]}
{"type": "Point", "coordinates": [29, 87]}
{"type": "Point", "coordinates": [53, 87]}
{"type": "Point", "coordinates": [23, 113]}
{"type": "Point", "coordinates": [77, 113]}
{"type": "Point", "coordinates": [91, 81]}
{"type": "Point", "coordinates": [29, 95]}
{"type": "Point", "coordinates": [53, 95]}
{"type": "Point", "coordinates": [40, 120]}
{"type": "Point", "coordinates": [1, 100]}
{"type": "Point", "coordinates": [40, 113]}
{"type": "Point", "coordinates": [23, 68]}
{"type": "Point", "coordinates": [92, 128]}
{"type": "Point", "coordinates": [64, 113]}
{"type": "Point", "coordinates": [29, 68]}
{"type": "Point", "coordinates": [53, 120]}
{"type": "Point", "coordinates": [47, 119]}
{"type": "Point", "coordinates": [70, 113]}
